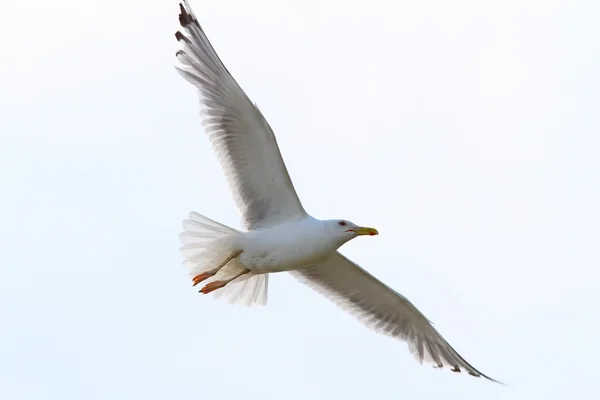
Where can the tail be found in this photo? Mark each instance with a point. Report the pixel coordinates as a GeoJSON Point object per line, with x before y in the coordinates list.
{"type": "Point", "coordinates": [205, 244]}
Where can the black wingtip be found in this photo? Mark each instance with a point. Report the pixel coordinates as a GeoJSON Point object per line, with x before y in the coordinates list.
{"type": "Point", "coordinates": [182, 14]}
{"type": "Point", "coordinates": [480, 375]}
{"type": "Point", "coordinates": [456, 369]}
{"type": "Point", "coordinates": [185, 18]}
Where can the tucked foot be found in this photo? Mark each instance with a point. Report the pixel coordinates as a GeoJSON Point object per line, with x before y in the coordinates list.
{"type": "Point", "coordinates": [202, 277]}
{"type": "Point", "coordinates": [213, 286]}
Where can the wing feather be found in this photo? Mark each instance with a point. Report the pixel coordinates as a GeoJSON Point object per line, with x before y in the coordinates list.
{"type": "Point", "coordinates": [382, 309]}
{"type": "Point", "coordinates": [240, 135]}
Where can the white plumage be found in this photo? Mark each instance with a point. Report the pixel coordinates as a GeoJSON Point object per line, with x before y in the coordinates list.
{"type": "Point", "coordinates": [204, 242]}
{"type": "Point", "coordinates": [280, 235]}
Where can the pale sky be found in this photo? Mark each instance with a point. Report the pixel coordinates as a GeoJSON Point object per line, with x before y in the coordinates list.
{"type": "Point", "coordinates": [467, 132]}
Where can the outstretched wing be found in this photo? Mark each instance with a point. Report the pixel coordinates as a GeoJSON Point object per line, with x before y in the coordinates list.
{"type": "Point", "coordinates": [240, 135]}
{"type": "Point", "coordinates": [382, 309]}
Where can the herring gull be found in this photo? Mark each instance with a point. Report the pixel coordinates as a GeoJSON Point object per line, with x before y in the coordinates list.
{"type": "Point", "coordinates": [280, 235]}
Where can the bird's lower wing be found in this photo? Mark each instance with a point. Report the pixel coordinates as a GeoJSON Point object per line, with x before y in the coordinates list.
{"type": "Point", "coordinates": [382, 309]}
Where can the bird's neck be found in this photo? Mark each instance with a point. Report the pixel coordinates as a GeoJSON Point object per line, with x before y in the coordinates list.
{"type": "Point", "coordinates": [328, 236]}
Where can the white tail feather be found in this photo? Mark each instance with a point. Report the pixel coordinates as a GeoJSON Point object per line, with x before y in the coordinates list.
{"type": "Point", "coordinates": [204, 245]}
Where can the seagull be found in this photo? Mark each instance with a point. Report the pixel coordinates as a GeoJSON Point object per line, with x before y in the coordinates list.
{"type": "Point", "coordinates": [280, 235]}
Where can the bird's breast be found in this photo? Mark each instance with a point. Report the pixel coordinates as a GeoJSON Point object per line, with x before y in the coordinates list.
{"type": "Point", "coordinates": [279, 250]}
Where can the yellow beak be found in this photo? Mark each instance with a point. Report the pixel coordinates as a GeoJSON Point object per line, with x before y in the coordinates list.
{"type": "Point", "coordinates": [365, 231]}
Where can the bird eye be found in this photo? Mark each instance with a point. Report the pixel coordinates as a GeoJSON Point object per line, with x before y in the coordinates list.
{"type": "Point", "coordinates": [342, 223]}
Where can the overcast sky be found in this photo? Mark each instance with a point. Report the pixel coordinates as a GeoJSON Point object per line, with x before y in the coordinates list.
{"type": "Point", "coordinates": [467, 132]}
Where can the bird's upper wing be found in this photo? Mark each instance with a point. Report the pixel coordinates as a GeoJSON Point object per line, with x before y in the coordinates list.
{"type": "Point", "coordinates": [383, 309]}
{"type": "Point", "coordinates": [240, 135]}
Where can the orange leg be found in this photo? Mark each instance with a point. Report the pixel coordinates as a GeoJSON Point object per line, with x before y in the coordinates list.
{"type": "Point", "coordinates": [205, 275]}
{"type": "Point", "coordinates": [219, 284]}
{"type": "Point", "coordinates": [213, 286]}
{"type": "Point", "coordinates": [202, 277]}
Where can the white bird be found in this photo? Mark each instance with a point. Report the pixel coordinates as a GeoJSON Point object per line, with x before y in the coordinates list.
{"type": "Point", "coordinates": [280, 235]}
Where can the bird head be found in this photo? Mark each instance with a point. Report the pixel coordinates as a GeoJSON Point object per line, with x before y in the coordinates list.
{"type": "Point", "coordinates": [348, 230]}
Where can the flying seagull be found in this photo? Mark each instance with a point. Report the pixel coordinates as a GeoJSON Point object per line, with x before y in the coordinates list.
{"type": "Point", "coordinates": [281, 235]}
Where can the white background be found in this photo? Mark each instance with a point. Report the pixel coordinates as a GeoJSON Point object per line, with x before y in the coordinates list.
{"type": "Point", "coordinates": [467, 132]}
